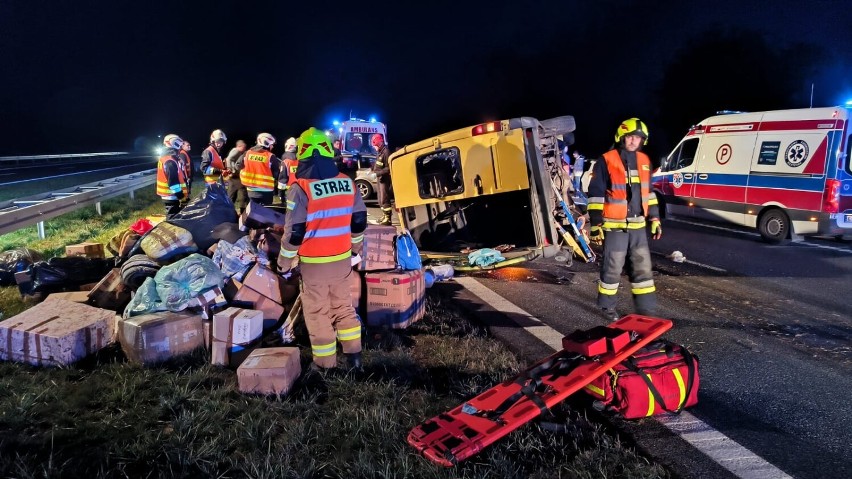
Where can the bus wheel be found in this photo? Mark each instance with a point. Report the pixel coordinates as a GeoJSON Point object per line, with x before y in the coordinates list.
{"type": "Point", "coordinates": [774, 226]}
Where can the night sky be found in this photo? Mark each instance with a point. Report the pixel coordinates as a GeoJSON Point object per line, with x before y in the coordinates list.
{"type": "Point", "coordinates": [85, 76]}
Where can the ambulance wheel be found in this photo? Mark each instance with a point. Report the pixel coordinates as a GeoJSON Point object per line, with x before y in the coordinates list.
{"type": "Point", "coordinates": [365, 189]}
{"type": "Point", "coordinates": [774, 226]}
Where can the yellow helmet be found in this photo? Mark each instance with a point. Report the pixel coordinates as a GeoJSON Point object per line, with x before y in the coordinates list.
{"type": "Point", "coordinates": [632, 126]}
{"type": "Point", "coordinates": [311, 140]}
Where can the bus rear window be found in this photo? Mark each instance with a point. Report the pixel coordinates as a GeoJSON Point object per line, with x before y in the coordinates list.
{"type": "Point", "coordinates": [439, 174]}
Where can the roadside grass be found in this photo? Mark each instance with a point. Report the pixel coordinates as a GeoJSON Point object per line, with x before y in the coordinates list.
{"type": "Point", "coordinates": [105, 417]}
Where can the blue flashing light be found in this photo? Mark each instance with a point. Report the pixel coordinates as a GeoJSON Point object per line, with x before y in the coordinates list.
{"type": "Point", "coordinates": [335, 123]}
{"type": "Point", "coordinates": [372, 119]}
{"type": "Point", "coordinates": [849, 103]}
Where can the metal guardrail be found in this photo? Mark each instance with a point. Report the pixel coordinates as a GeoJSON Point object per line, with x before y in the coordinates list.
{"type": "Point", "coordinates": [34, 158]}
{"type": "Point", "coordinates": [18, 213]}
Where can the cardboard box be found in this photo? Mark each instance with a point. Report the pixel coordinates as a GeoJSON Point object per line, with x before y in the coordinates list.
{"type": "Point", "coordinates": [110, 293]}
{"type": "Point", "coordinates": [156, 337]}
{"type": "Point", "coordinates": [264, 281]}
{"type": "Point", "coordinates": [209, 302]}
{"type": "Point", "coordinates": [269, 371]}
{"type": "Point", "coordinates": [75, 296]}
{"type": "Point", "coordinates": [395, 299]}
{"type": "Point", "coordinates": [234, 330]}
{"type": "Point", "coordinates": [377, 252]}
{"type": "Point", "coordinates": [88, 250]}
{"type": "Point", "coordinates": [356, 288]}
{"type": "Point", "coordinates": [56, 333]}
{"type": "Point", "coordinates": [246, 297]}
{"type": "Point", "coordinates": [207, 329]}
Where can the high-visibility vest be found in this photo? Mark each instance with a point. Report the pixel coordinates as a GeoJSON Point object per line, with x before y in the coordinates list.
{"type": "Point", "coordinates": [615, 201]}
{"type": "Point", "coordinates": [187, 163]}
{"type": "Point", "coordinates": [291, 165]}
{"type": "Point", "coordinates": [216, 163]}
{"type": "Point", "coordinates": [163, 188]}
{"type": "Point", "coordinates": [328, 229]}
{"type": "Point", "coordinates": [257, 171]}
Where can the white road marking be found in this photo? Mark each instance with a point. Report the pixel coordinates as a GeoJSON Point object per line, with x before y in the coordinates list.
{"type": "Point", "coordinates": [725, 451]}
{"type": "Point", "coordinates": [749, 233]}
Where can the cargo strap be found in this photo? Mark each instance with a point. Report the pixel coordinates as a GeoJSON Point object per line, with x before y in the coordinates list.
{"type": "Point", "coordinates": [688, 358]}
{"type": "Point", "coordinates": [531, 386]}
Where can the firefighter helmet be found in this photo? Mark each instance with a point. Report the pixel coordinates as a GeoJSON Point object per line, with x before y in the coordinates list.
{"type": "Point", "coordinates": [377, 140]}
{"type": "Point", "coordinates": [218, 135]}
{"type": "Point", "coordinates": [632, 126]}
{"type": "Point", "coordinates": [172, 141]}
{"type": "Point", "coordinates": [265, 140]}
{"type": "Point", "coordinates": [290, 144]}
{"type": "Point", "coordinates": [313, 140]}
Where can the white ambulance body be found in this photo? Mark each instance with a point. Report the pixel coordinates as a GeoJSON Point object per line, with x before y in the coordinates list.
{"type": "Point", "coordinates": [784, 172]}
{"type": "Point", "coordinates": [356, 136]}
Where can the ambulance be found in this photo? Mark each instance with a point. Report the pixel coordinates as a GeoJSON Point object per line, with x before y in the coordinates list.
{"type": "Point", "coordinates": [784, 172]}
{"type": "Point", "coordinates": [483, 186]}
{"type": "Point", "coordinates": [358, 154]}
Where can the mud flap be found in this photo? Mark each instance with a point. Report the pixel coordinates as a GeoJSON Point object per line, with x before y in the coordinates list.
{"type": "Point", "coordinates": [462, 432]}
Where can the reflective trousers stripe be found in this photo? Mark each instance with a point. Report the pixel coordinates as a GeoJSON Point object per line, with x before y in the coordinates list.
{"type": "Point", "coordinates": [349, 334]}
{"type": "Point", "coordinates": [323, 350]}
{"type": "Point", "coordinates": [647, 290]}
{"type": "Point", "coordinates": [608, 289]}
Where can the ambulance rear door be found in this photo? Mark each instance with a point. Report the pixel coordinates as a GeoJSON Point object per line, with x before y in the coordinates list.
{"type": "Point", "coordinates": [678, 176]}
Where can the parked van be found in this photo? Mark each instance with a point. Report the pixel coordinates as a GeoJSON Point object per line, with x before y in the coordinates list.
{"type": "Point", "coordinates": [784, 172]}
{"type": "Point", "coordinates": [484, 186]}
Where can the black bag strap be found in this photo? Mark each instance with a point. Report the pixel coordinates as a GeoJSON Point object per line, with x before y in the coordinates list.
{"type": "Point", "coordinates": [690, 361]}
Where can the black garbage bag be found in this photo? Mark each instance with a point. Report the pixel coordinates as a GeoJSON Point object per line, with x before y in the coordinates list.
{"type": "Point", "coordinates": [201, 215]}
{"type": "Point", "coordinates": [14, 261]}
{"type": "Point", "coordinates": [65, 274]}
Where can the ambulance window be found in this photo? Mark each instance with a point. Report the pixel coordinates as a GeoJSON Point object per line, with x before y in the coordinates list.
{"type": "Point", "coordinates": [683, 156]}
{"type": "Point", "coordinates": [439, 174]}
{"type": "Point", "coordinates": [848, 159]}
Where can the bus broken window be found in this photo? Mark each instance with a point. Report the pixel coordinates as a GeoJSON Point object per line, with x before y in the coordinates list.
{"type": "Point", "coordinates": [439, 174]}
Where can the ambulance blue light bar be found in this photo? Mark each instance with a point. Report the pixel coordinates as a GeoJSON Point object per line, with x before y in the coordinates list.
{"type": "Point", "coordinates": [490, 127]}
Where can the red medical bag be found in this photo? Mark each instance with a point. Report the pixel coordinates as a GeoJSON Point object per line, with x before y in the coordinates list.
{"type": "Point", "coordinates": [659, 378]}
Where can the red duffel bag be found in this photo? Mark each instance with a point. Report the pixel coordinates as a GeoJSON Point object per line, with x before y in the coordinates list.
{"type": "Point", "coordinates": [660, 378]}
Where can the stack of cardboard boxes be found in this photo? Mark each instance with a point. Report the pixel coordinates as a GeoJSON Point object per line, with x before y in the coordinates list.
{"type": "Point", "coordinates": [394, 298]}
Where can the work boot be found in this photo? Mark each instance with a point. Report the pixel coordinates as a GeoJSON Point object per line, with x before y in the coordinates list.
{"type": "Point", "coordinates": [385, 221]}
{"type": "Point", "coordinates": [610, 314]}
{"type": "Point", "coordinates": [353, 361]}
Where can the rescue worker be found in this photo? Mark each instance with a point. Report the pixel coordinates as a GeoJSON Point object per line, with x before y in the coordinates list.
{"type": "Point", "coordinates": [236, 191]}
{"type": "Point", "coordinates": [383, 179]}
{"type": "Point", "coordinates": [212, 166]}
{"type": "Point", "coordinates": [325, 225]}
{"type": "Point", "coordinates": [289, 163]}
{"type": "Point", "coordinates": [171, 182]}
{"type": "Point", "coordinates": [258, 169]}
{"type": "Point", "coordinates": [186, 163]}
{"type": "Point", "coordinates": [621, 204]}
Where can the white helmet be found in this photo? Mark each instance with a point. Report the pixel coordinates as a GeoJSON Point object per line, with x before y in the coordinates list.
{"type": "Point", "coordinates": [290, 144]}
{"type": "Point", "coordinates": [172, 141]}
{"type": "Point", "coordinates": [218, 135]}
{"type": "Point", "coordinates": [265, 140]}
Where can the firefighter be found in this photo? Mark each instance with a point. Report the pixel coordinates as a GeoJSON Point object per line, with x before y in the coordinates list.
{"type": "Point", "coordinates": [621, 205]}
{"type": "Point", "coordinates": [383, 179]}
{"type": "Point", "coordinates": [212, 166]}
{"type": "Point", "coordinates": [325, 225]}
{"type": "Point", "coordinates": [289, 163]}
{"type": "Point", "coordinates": [171, 177]}
{"type": "Point", "coordinates": [236, 191]}
{"type": "Point", "coordinates": [258, 169]}
{"type": "Point", "coordinates": [186, 162]}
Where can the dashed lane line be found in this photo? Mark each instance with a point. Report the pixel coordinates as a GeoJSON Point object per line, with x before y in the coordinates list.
{"type": "Point", "coordinates": [723, 450]}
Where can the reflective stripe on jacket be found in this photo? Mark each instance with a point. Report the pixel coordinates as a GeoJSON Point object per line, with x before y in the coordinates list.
{"type": "Point", "coordinates": [165, 188]}
{"type": "Point", "coordinates": [216, 163]}
{"type": "Point", "coordinates": [615, 201]}
{"type": "Point", "coordinates": [328, 231]}
{"type": "Point", "coordinates": [257, 171]}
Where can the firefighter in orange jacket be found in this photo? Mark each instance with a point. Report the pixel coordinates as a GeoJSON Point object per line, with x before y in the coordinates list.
{"type": "Point", "coordinates": [212, 166]}
{"type": "Point", "coordinates": [186, 163]}
{"type": "Point", "coordinates": [621, 206]}
{"type": "Point", "coordinates": [289, 164]}
{"type": "Point", "coordinates": [326, 219]}
{"type": "Point", "coordinates": [171, 179]}
{"type": "Point", "coordinates": [259, 168]}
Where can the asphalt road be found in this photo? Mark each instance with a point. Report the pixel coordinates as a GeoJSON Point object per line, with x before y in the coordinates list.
{"type": "Point", "coordinates": [771, 324]}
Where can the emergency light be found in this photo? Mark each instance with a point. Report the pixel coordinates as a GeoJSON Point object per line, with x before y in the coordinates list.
{"type": "Point", "coordinates": [484, 128]}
